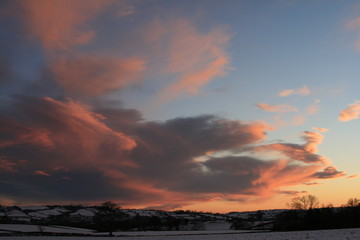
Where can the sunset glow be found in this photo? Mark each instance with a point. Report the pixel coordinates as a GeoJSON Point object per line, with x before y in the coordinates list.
{"type": "Point", "coordinates": [203, 105]}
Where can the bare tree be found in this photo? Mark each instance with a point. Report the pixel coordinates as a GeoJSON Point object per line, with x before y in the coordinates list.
{"type": "Point", "coordinates": [108, 217]}
{"type": "Point", "coordinates": [353, 202]}
{"type": "Point", "coordinates": [304, 202]}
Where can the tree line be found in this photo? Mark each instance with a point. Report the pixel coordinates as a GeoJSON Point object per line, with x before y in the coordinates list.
{"type": "Point", "coordinates": [307, 214]}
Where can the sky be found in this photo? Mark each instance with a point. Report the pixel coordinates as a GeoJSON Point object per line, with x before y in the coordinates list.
{"type": "Point", "coordinates": [203, 105]}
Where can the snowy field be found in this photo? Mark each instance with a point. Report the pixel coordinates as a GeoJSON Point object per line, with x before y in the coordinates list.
{"type": "Point", "coordinates": [340, 234]}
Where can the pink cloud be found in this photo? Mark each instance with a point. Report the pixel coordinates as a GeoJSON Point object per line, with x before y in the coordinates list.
{"type": "Point", "coordinates": [61, 24]}
{"type": "Point", "coordinates": [312, 140]}
{"type": "Point", "coordinates": [275, 108]}
{"type": "Point", "coordinates": [194, 58]}
{"type": "Point", "coordinates": [298, 119]}
{"type": "Point", "coordinates": [69, 129]}
{"type": "Point", "coordinates": [351, 112]}
{"type": "Point", "coordinates": [283, 174]}
{"type": "Point", "coordinates": [14, 133]}
{"type": "Point", "coordinates": [7, 165]}
{"type": "Point", "coordinates": [41, 173]}
{"type": "Point", "coordinates": [304, 153]}
{"type": "Point", "coordinates": [192, 82]}
{"type": "Point", "coordinates": [301, 91]}
{"type": "Point", "coordinates": [96, 75]}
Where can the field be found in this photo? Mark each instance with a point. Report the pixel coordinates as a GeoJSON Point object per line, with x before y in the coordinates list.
{"type": "Point", "coordinates": [338, 234]}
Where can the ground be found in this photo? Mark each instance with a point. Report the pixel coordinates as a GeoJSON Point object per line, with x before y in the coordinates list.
{"type": "Point", "coordinates": [337, 234]}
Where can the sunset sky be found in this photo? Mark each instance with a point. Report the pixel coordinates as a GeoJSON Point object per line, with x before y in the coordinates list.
{"type": "Point", "coordinates": [205, 105]}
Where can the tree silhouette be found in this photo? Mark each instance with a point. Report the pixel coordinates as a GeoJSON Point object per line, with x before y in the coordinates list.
{"type": "Point", "coordinates": [108, 217]}
{"type": "Point", "coordinates": [305, 202]}
{"type": "Point", "coordinates": [353, 202]}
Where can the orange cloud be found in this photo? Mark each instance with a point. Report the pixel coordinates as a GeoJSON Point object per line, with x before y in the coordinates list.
{"type": "Point", "coordinates": [351, 112]}
{"type": "Point", "coordinates": [275, 108]}
{"type": "Point", "coordinates": [312, 140]}
{"type": "Point", "coordinates": [301, 91]}
{"type": "Point", "coordinates": [194, 58]}
{"type": "Point", "coordinates": [60, 25]}
{"type": "Point", "coordinates": [305, 152]}
{"type": "Point", "coordinates": [319, 129]}
{"type": "Point", "coordinates": [283, 174]}
{"type": "Point", "coordinates": [96, 75]}
{"type": "Point", "coordinates": [296, 120]}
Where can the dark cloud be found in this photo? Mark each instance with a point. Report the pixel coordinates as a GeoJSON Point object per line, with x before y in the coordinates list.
{"type": "Point", "coordinates": [63, 150]}
{"type": "Point", "coordinates": [329, 172]}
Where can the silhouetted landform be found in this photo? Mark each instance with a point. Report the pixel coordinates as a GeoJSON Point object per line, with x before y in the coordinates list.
{"type": "Point", "coordinates": [318, 218]}
{"type": "Point", "coordinates": [108, 218]}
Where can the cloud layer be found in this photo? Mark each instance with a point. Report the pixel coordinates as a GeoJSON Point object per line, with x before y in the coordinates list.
{"type": "Point", "coordinates": [63, 140]}
{"type": "Point", "coordinates": [121, 157]}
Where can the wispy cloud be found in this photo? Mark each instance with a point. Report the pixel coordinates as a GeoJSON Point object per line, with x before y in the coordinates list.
{"type": "Point", "coordinates": [194, 58]}
{"type": "Point", "coordinates": [41, 173]}
{"type": "Point", "coordinates": [276, 108]}
{"type": "Point", "coordinates": [61, 24]}
{"type": "Point", "coordinates": [92, 76]}
{"type": "Point", "coordinates": [354, 24]}
{"type": "Point", "coordinates": [319, 129]}
{"type": "Point", "coordinates": [351, 112]}
{"type": "Point", "coordinates": [299, 119]}
{"type": "Point", "coordinates": [62, 27]}
{"type": "Point", "coordinates": [7, 165]}
{"type": "Point", "coordinates": [301, 91]}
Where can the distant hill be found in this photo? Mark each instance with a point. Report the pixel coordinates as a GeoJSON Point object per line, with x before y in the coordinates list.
{"type": "Point", "coordinates": [137, 219]}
